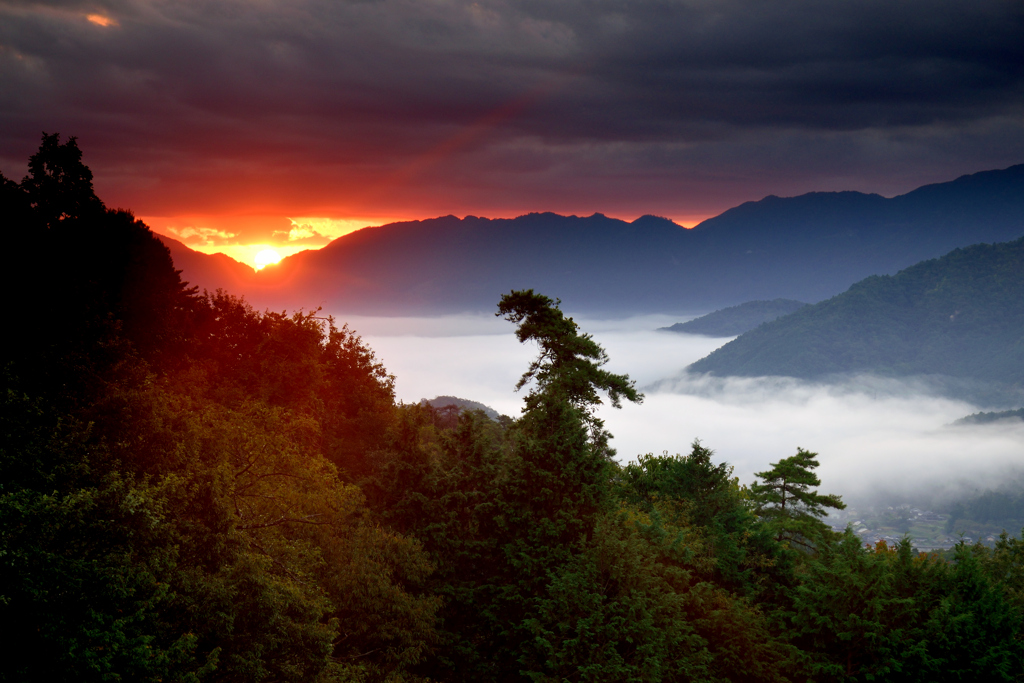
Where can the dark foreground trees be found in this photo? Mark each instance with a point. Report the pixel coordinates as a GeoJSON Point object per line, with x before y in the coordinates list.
{"type": "Point", "coordinates": [191, 490]}
{"type": "Point", "coordinates": [171, 506]}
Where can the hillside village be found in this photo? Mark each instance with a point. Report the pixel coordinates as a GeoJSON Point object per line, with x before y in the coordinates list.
{"type": "Point", "coordinates": [927, 530]}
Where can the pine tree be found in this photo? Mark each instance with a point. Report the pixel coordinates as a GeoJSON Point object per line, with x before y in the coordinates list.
{"type": "Point", "coordinates": [787, 501]}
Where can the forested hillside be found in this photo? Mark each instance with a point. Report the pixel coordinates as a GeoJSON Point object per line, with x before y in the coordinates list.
{"type": "Point", "coordinates": [961, 315]}
{"type": "Point", "coordinates": [193, 490]}
{"type": "Point", "coordinates": [735, 320]}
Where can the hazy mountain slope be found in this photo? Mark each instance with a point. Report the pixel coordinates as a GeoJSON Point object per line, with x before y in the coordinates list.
{"type": "Point", "coordinates": [462, 404]}
{"type": "Point", "coordinates": [735, 320]}
{"type": "Point", "coordinates": [807, 248]}
{"type": "Point", "coordinates": [990, 418]}
{"type": "Point", "coordinates": [208, 271]}
{"type": "Point", "coordinates": [961, 315]}
{"type": "Point", "coordinates": [807, 244]}
{"type": "Point", "coordinates": [448, 264]}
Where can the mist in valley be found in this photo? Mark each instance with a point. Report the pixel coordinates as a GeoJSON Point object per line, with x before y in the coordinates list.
{"type": "Point", "coordinates": [881, 441]}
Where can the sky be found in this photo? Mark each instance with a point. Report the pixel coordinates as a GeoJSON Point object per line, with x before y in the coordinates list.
{"type": "Point", "coordinates": [237, 124]}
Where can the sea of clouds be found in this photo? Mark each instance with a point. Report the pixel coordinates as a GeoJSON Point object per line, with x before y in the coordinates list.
{"type": "Point", "coordinates": [878, 439]}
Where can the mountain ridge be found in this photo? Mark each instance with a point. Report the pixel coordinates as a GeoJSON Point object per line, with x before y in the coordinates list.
{"type": "Point", "coordinates": [208, 271]}
{"type": "Point", "coordinates": [735, 320]}
{"type": "Point", "coordinates": [960, 315]}
{"type": "Point", "coordinates": [808, 248]}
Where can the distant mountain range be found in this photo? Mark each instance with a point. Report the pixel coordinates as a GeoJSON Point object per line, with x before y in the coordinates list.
{"type": "Point", "coordinates": [809, 248]}
{"type": "Point", "coordinates": [735, 320]}
{"type": "Point", "coordinates": [959, 316]}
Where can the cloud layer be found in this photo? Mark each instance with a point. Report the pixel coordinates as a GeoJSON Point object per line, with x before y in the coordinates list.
{"type": "Point", "coordinates": [876, 438]}
{"type": "Point", "coordinates": [497, 107]}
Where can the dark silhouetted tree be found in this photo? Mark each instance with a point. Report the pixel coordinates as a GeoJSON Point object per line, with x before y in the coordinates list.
{"type": "Point", "coordinates": [58, 184]}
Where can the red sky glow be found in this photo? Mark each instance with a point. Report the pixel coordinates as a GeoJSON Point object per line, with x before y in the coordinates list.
{"type": "Point", "coordinates": [231, 125]}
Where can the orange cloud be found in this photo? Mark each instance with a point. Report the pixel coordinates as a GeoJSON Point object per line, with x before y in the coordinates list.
{"type": "Point", "coordinates": [101, 20]}
{"type": "Point", "coordinates": [317, 231]}
{"type": "Point", "coordinates": [199, 236]}
{"type": "Point", "coordinates": [214, 230]}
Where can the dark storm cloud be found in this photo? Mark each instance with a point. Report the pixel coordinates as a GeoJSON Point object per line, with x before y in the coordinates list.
{"type": "Point", "coordinates": [483, 99]}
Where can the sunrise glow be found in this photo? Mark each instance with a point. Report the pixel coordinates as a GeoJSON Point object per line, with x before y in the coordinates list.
{"type": "Point", "coordinates": [308, 229]}
{"type": "Point", "coordinates": [249, 253]}
{"type": "Point", "coordinates": [265, 257]}
{"type": "Point", "coordinates": [245, 237]}
{"type": "Point", "coordinates": [101, 20]}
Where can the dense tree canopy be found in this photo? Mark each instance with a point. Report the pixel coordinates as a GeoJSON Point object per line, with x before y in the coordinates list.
{"type": "Point", "coordinates": [172, 507]}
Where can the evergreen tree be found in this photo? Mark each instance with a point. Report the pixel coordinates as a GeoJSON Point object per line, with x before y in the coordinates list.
{"type": "Point", "coordinates": [559, 484]}
{"type": "Point", "coordinates": [787, 502]}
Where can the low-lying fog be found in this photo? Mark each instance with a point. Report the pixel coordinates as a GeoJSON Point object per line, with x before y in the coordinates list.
{"type": "Point", "coordinates": [874, 436]}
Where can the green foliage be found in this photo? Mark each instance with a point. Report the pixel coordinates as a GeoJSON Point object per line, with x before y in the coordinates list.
{"type": "Point", "coordinates": [692, 490]}
{"type": "Point", "coordinates": [886, 614]}
{"type": "Point", "coordinates": [84, 561]}
{"type": "Point", "coordinates": [614, 611]}
{"type": "Point", "coordinates": [999, 509]}
{"type": "Point", "coordinates": [557, 484]}
{"type": "Point", "coordinates": [568, 368]}
{"type": "Point", "coordinates": [299, 361]}
{"type": "Point", "coordinates": [786, 501]}
{"type": "Point", "coordinates": [634, 605]}
{"type": "Point", "coordinates": [974, 632]}
{"type": "Point", "coordinates": [569, 364]}
{"type": "Point", "coordinates": [558, 481]}
{"type": "Point", "coordinates": [1004, 565]}
{"type": "Point", "coordinates": [709, 490]}
{"type": "Point", "coordinates": [855, 612]}
{"type": "Point", "coordinates": [268, 567]}
{"type": "Point", "coordinates": [441, 483]}
{"type": "Point", "coordinates": [281, 549]}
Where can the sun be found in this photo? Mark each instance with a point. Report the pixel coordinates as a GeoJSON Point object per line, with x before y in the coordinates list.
{"type": "Point", "coordinates": [265, 258]}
